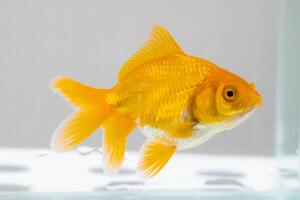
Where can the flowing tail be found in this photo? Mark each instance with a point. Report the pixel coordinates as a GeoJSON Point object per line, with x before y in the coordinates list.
{"type": "Point", "coordinates": [92, 112]}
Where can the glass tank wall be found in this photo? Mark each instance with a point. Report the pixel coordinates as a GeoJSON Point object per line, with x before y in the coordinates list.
{"type": "Point", "coordinates": [288, 91]}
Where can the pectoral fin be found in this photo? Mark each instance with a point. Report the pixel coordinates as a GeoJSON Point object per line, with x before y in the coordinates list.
{"type": "Point", "coordinates": [179, 130]}
{"type": "Point", "coordinates": [155, 155]}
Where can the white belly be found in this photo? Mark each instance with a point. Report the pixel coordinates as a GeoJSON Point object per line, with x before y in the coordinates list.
{"type": "Point", "coordinates": [200, 133]}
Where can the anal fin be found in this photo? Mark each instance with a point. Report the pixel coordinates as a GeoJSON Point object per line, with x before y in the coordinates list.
{"type": "Point", "coordinates": [155, 155]}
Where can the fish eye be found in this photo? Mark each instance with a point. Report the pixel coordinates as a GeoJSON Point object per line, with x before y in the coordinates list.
{"type": "Point", "coordinates": [230, 93]}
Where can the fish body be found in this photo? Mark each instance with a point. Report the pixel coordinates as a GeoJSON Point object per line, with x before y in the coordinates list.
{"type": "Point", "coordinates": [160, 92]}
{"type": "Point", "coordinates": [177, 100]}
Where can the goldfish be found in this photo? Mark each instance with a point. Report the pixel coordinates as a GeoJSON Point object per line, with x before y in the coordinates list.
{"type": "Point", "coordinates": [178, 101]}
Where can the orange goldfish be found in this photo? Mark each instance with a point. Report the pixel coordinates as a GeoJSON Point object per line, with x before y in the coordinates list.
{"type": "Point", "coordinates": [177, 100]}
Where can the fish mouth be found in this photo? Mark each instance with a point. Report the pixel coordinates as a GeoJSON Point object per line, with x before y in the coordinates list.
{"type": "Point", "coordinates": [247, 113]}
{"type": "Point", "coordinates": [253, 105]}
{"type": "Point", "coordinates": [238, 119]}
{"type": "Point", "coordinates": [258, 102]}
{"type": "Point", "coordinates": [252, 102]}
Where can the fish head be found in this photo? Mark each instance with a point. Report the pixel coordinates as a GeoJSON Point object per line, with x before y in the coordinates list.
{"type": "Point", "coordinates": [224, 96]}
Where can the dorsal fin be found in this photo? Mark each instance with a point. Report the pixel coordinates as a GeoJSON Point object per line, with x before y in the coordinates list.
{"type": "Point", "coordinates": [159, 44]}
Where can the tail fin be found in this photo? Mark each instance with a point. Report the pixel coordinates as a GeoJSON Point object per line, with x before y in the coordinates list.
{"type": "Point", "coordinates": [91, 111]}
